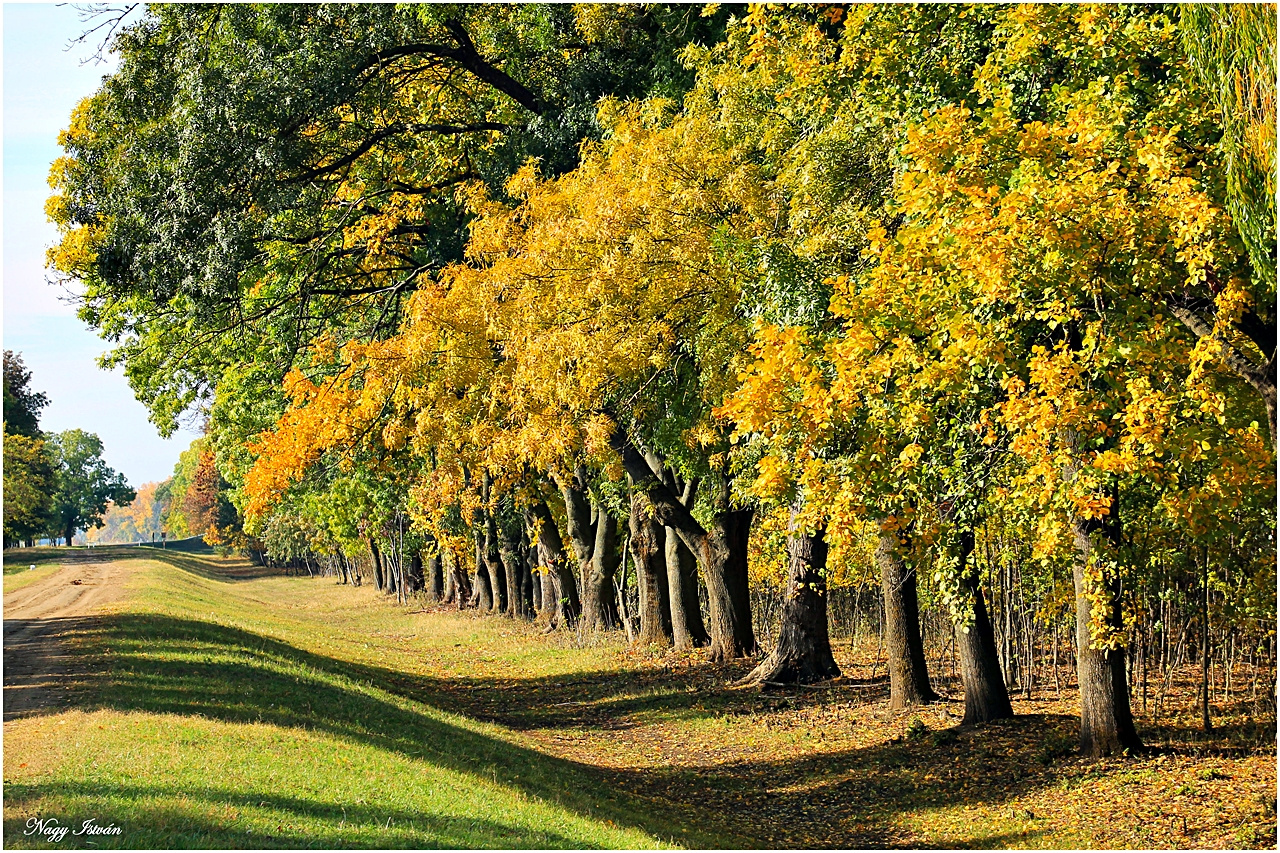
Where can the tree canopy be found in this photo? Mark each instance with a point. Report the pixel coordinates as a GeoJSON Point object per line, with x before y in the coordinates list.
{"type": "Point", "coordinates": [84, 482]}
{"type": "Point", "coordinates": [922, 290]}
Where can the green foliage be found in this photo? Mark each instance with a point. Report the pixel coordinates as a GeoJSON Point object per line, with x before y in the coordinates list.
{"type": "Point", "coordinates": [22, 405]}
{"type": "Point", "coordinates": [254, 176]}
{"type": "Point", "coordinates": [29, 482]}
{"type": "Point", "coordinates": [85, 483]}
{"type": "Point", "coordinates": [1233, 49]}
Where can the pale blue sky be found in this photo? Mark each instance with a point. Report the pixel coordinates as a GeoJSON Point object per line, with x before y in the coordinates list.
{"type": "Point", "coordinates": [42, 81]}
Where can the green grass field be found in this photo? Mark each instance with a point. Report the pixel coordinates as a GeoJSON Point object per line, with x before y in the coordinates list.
{"type": "Point", "coordinates": [235, 714]}
{"type": "Point", "coordinates": [220, 706]}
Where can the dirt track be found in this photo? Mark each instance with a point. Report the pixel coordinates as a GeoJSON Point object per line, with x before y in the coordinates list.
{"type": "Point", "coordinates": [37, 618]}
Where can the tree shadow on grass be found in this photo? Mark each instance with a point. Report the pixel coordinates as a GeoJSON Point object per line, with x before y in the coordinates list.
{"type": "Point", "coordinates": [162, 665]}
{"type": "Point", "coordinates": [166, 816]}
{"type": "Point", "coordinates": [850, 798]}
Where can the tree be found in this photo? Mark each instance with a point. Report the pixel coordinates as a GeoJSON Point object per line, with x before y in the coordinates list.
{"type": "Point", "coordinates": [29, 482]}
{"type": "Point", "coordinates": [21, 404]}
{"type": "Point", "coordinates": [319, 149]}
{"type": "Point", "coordinates": [1054, 244]}
{"type": "Point", "coordinates": [85, 484]}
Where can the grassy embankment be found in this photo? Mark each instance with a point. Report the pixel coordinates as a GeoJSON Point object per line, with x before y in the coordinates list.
{"type": "Point", "coordinates": [222, 708]}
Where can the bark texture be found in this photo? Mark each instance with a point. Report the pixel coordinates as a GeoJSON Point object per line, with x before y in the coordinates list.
{"type": "Point", "coordinates": [551, 556]}
{"type": "Point", "coordinates": [1106, 720]}
{"type": "Point", "coordinates": [803, 654]}
{"type": "Point", "coordinates": [1261, 377]}
{"type": "Point", "coordinates": [379, 578]}
{"type": "Point", "coordinates": [593, 536]}
{"type": "Point", "coordinates": [415, 578]}
{"type": "Point", "coordinates": [434, 575]}
{"type": "Point", "coordinates": [460, 581]}
{"type": "Point", "coordinates": [687, 628]}
{"type": "Point", "coordinates": [986, 697]}
{"type": "Point", "coordinates": [648, 551]}
{"type": "Point", "coordinates": [513, 565]}
{"type": "Point", "coordinates": [493, 562]}
{"type": "Point", "coordinates": [600, 601]}
{"type": "Point", "coordinates": [908, 674]}
{"type": "Point", "coordinates": [482, 591]}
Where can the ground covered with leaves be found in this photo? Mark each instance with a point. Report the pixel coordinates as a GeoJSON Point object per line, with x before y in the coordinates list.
{"type": "Point", "coordinates": [215, 706]}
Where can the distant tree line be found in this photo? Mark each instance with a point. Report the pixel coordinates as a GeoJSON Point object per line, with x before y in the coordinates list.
{"type": "Point", "coordinates": [54, 484]}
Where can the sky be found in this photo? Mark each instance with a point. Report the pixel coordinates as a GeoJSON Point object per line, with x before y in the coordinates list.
{"type": "Point", "coordinates": [43, 80]}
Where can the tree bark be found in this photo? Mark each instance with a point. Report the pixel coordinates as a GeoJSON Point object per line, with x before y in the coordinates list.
{"type": "Point", "coordinates": [600, 602]}
{"type": "Point", "coordinates": [733, 527]}
{"type": "Point", "coordinates": [803, 654]}
{"type": "Point", "coordinates": [1261, 377]}
{"type": "Point", "coordinates": [687, 629]}
{"type": "Point", "coordinates": [414, 578]}
{"type": "Point", "coordinates": [482, 592]}
{"type": "Point", "coordinates": [908, 674]}
{"type": "Point", "coordinates": [379, 578]}
{"type": "Point", "coordinates": [1106, 722]}
{"type": "Point", "coordinates": [1205, 722]}
{"type": "Point", "coordinates": [986, 697]}
{"type": "Point", "coordinates": [720, 551]}
{"type": "Point", "coordinates": [530, 593]}
{"type": "Point", "coordinates": [551, 554]}
{"type": "Point", "coordinates": [578, 523]}
{"type": "Point", "coordinates": [647, 551]}
{"type": "Point", "coordinates": [493, 562]}
{"type": "Point", "coordinates": [460, 581]}
{"type": "Point", "coordinates": [513, 567]}
{"type": "Point", "coordinates": [434, 578]}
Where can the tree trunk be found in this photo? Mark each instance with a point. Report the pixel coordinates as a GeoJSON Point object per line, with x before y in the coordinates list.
{"type": "Point", "coordinates": [1261, 377]}
{"type": "Point", "coordinates": [379, 577]}
{"type": "Point", "coordinates": [578, 521]}
{"type": "Point", "coordinates": [493, 562]}
{"type": "Point", "coordinates": [1205, 722]}
{"type": "Point", "coordinates": [434, 576]}
{"type": "Point", "coordinates": [530, 593]}
{"type": "Point", "coordinates": [687, 629]}
{"type": "Point", "coordinates": [564, 591]}
{"type": "Point", "coordinates": [735, 528]}
{"type": "Point", "coordinates": [461, 582]}
{"type": "Point", "coordinates": [647, 551]}
{"type": "Point", "coordinates": [985, 696]}
{"type": "Point", "coordinates": [1106, 723]}
{"type": "Point", "coordinates": [535, 584]}
{"type": "Point", "coordinates": [599, 602]}
{"type": "Point", "coordinates": [482, 591]}
{"type": "Point", "coordinates": [803, 654]}
{"type": "Point", "coordinates": [721, 552]}
{"type": "Point", "coordinates": [551, 609]}
{"type": "Point", "coordinates": [415, 579]}
{"type": "Point", "coordinates": [908, 674]}
{"type": "Point", "coordinates": [513, 567]}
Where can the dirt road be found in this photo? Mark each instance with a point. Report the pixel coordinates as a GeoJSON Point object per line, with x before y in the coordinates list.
{"type": "Point", "coordinates": [37, 620]}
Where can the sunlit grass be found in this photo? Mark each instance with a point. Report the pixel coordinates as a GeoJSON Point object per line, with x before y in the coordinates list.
{"type": "Point", "coordinates": [264, 715]}
{"type": "Point", "coordinates": [225, 707]}
{"type": "Point", "coordinates": [25, 566]}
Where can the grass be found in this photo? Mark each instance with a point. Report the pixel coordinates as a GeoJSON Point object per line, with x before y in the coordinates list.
{"type": "Point", "coordinates": [223, 707]}
{"type": "Point", "coordinates": [25, 566]}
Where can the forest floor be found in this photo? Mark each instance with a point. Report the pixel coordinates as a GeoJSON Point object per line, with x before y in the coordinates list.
{"type": "Point", "coordinates": [198, 701]}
